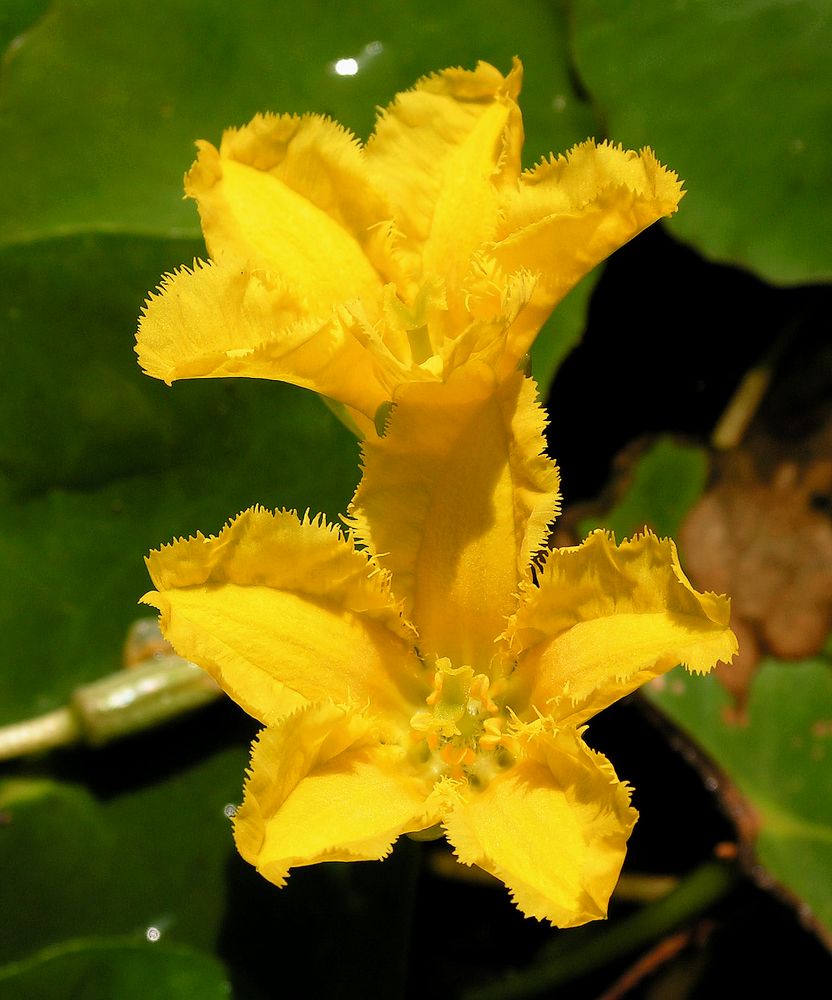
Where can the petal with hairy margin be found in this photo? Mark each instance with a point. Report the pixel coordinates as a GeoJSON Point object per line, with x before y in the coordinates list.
{"type": "Point", "coordinates": [571, 212]}
{"type": "Point", "coordinates": [553, 827]}
{"type": "Point", "coordinates": [322, 788]}
{"type": "Point", "coordinates": [456, 497]}
{"type": "Point", "coordinates": [605, 618]}
{"type": "Point", "coordinates": [281, 610]}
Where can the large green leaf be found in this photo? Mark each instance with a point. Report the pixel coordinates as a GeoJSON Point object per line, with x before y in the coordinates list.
{"type": "Point", "coordinates": [16, 17]}
{"type": "Point", "coordinates": [116, 970]}
{"type": "Point", "coordinates": [149, 853]}
{"type": "Point", "coordinates": [780, 762]}
{"type": "Point", "coordinates": [737, 97]}
{"type": "Point", "coordinates": [663, 485]}
{"type": "Point", "coordinates": [153, 856]}
{"type": "Point", "coordinates": [101, 463]}
{"type": "Point", "coordinates": [561, 332]}
{"type": "Point", "coordinates": [102, 101]}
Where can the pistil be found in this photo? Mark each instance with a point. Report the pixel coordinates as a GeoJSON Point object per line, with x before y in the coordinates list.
{"type": "Point", "coordinates": [462, 732]}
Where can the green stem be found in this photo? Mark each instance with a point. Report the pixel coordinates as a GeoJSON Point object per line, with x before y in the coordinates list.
{"type": "Point", "coordinates": [122, 703]}
{"type": "Point", "coordinates": [694, 894]}
{"type": "Point", "coordinates": [44, 732]}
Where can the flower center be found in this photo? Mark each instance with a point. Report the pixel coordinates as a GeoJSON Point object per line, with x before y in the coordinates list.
{"type": "Point", "coordinates": [462, 734]}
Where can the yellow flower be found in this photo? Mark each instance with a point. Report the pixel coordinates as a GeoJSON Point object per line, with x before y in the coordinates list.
{"type": "Point", "coordinates": [352, 269]}
{"type": "Point", "coordinates": [443, 673]}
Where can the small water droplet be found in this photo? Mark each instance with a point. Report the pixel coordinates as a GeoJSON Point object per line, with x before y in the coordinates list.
{"type": "Point", "coordinates": [153, 933]}
{"type": "Point", "coordinates": [229, 810]}
{"type": "Point", "coordinates": [346, 67]}
{"type": "Point", "coordinates": [711, 783]}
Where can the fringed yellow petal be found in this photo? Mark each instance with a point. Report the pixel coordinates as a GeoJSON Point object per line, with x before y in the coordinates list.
{"type": "Point", "coordinates": [604, 619]}
{"type": "Point", "coordinates": [289, 195]}
{"type": "Point", "coordinates": [569, 213]}
{"type": "Point", "coordinates": [280, 610]}
{"type": "Point", "coordinates": [440, 153]}
{"type": "Point", "coordinates": [456, 497]}
{"type": "Point", "coordinates": [322, 788]}
{"type": "Point", "coordinates": [218, 321]}
{"type": "Point", "coordinates": [482, 323]}
{"type": "Point", "coordinates": [553, 828]}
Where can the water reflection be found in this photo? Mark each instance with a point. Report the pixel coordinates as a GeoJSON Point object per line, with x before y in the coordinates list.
{"type": "Point", "coordinates": [350, 65]}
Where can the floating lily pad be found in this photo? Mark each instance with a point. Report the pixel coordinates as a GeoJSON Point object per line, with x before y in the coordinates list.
{"type": "Point", "coordinates": [16, 17]}
{"type": "Point", "coordinates": [662, 486]}
{"type": "Point", "coordinates": [736, 97]}
{"type": "Point", "coordinates": [102, 101]}
{"type": "Point", "coordinates": [780, 762]}
{"type": "Point", "coordinates": [105, 969]}
{"type": "Point", "coordinates": [147, 852]}
{"type": "Point", "coordinates": [100, 463]}
{"type": "Point", "coordinates": [562, 331]}
{"type": "Point", "coordinates": [151, 857]}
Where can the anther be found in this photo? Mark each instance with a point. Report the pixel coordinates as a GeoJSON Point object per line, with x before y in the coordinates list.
{"type": "Point", "coordinates": [493, 734]}
{"type": "Point", "coordinates": [457, 755]}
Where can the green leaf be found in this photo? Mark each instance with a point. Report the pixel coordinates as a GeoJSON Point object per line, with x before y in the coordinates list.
{"type": "Point", "coordinates": [736, 98]}
{"type": "Point", "coordinates": [781, 763]}
{"type": "Point", "coordinates": [561, 332]}
{"type": "Point", "coordinates": [16, 17]}
{"type": "Point", "coordinates": [664, 484]}
{"type": "Point", "coordinates": [116, 969]}
{"type": "Point", "coordinates": [101, 102]}
{"type": "Point", "coordinates": [150, 857]}
{"type": "Point", "coordinates": [101, 463]}
{"type": "Point", "coordinates": [153, 852]}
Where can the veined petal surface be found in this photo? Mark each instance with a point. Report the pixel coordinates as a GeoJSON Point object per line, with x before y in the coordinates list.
{"type": "Point", "coordinates": [606, 618]}
{"type": "Point", "coordinates": [455, 498]}
{"type": "Point", "coordinates": [322, 788]}
{"type": "Point", "coordinates": [215, 321]}
{"type": "Point", "coordinates": [281, 610]}
{"type": "Point", "coordinates": [440, 152]}
{"type": "Point", "coordinates": [290, 195]}
{"type": "Point", "coordinates": [553, 828]}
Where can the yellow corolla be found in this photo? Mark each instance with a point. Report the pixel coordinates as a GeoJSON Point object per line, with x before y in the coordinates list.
{"type": "Point", "coordinates": [438, 676]}
{"type": "Point", "coordinates": [352, 269]}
